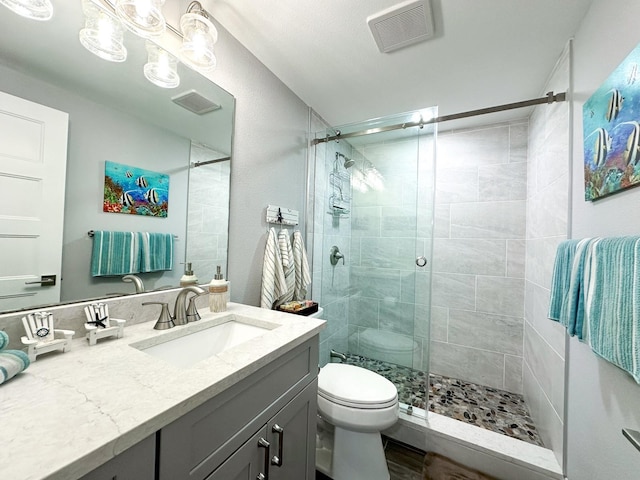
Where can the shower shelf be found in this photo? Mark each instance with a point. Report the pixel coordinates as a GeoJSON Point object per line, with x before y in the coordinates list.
{"type": "Point", "coordinates": [339, 200]}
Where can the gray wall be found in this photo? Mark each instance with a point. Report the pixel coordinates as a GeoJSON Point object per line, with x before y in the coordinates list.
{"type": "Point", "coordinates": [269, 159]}
{"type": "Point", "coordinates": [602, 399]}
{"type": "Point", "coordinates": [547, 209]}
{"type": "Point", "coordinates": [478, 255]}
{"type": "Point", "coordinates": [98, 133]}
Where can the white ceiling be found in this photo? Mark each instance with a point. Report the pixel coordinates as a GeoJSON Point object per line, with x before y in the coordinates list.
{"type": "Point", "coordinates": [485, 53]}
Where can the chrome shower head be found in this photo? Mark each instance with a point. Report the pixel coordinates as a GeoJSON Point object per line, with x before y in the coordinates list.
{"type": "Point", "coordinates": [348, 162]}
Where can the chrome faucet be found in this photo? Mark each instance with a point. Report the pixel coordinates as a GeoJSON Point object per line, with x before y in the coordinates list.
{"type": "Point", "coordinates": [137, 281]}
{"type": "Point", "coordinates": [182, 315]}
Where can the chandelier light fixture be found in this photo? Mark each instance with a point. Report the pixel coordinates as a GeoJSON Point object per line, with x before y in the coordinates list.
{"type": "Point", "coordinates": [33, 9]}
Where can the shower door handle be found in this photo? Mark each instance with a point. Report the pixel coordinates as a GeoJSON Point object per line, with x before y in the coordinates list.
{"type": "Point", "coordinates": [421, 261]}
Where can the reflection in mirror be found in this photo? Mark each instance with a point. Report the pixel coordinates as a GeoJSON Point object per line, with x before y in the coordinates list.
{"type": "Point", "coordinates": [117, 115]}
{"type": "Point", "coordinates": [208, 219]}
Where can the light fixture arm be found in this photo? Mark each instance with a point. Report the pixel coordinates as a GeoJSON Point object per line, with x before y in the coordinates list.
{"type": "Point", "coordinates": [196, 7]}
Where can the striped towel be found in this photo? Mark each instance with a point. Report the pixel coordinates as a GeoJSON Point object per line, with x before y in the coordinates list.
{"type": "Point", "coordinates": [566, 305]}
{"type": "Point", "coordinates": [288, 266]}
{"type": "Point", "coordinates": [115, 253]}
{"type": "Point", "coordinates": [561, 279]}
{"type": "Point", "coordinates": [274, 283]}
{"type": "Point", "coordinates": [612, 309]}
{"type": "Point", "coordinates": [301, 264]}
{"type": "Point", "coordinates": [156, 251]}
{"type": "Point", "coordinates": [4, 340]}
{"type": "Point", "coordinates": [12, 362]}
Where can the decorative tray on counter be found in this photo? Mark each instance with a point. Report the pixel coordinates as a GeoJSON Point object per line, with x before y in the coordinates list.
{"type": "Point", "coordinates": [304, 307]}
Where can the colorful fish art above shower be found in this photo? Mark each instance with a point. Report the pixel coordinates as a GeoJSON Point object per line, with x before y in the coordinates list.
{"type": "Point", "coordinates": [135, 191]}
{"type": "Point", "coordinates": [611, 127]}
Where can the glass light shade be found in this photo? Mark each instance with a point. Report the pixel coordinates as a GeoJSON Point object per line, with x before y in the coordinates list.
{"type": "Point", "coordinates": [142, 17]}
{"type": "Point", "coordinates": [102, 34]}
{"type": "Point", "coordinates": [199, 36]}
{"type": "Point", "coordinates": [161, 66]}
{"type": "Point", "coordinates": [34, 9]}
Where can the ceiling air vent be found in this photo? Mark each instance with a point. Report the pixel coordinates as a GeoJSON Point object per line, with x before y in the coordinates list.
{"type": "Point", "coordinates": [402, 25]}
{"type": "Point", "coordinates": [195, 102]}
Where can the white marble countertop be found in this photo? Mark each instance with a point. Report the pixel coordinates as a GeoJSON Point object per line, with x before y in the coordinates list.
{"type": "Point", "coordinates": [69, 413]}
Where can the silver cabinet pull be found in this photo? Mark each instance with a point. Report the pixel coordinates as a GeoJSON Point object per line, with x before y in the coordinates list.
{"type": "Point", "coordinates": [421, 261]}
{"type": "Point", "coordinates": [277, 459]}
{"type": "Point", "coordinates": [262, 443]}
{"type": "Point", "coordinates": [48, 280]}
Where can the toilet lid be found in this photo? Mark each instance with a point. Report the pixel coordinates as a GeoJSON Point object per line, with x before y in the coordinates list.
{"type": "Point", "coordinates": [355, 387]}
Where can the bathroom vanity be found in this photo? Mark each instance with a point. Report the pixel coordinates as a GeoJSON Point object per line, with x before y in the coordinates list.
{"type": "Point", "coordinates": [115, 411]}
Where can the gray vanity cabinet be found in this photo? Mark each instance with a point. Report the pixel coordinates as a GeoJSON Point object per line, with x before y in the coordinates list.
{"type": "Point", "coordinates": [282, 449]}
{"type": "Point", "coordinates": [220, 439]}
{"type": "Point", "coordinates": [135, 463]}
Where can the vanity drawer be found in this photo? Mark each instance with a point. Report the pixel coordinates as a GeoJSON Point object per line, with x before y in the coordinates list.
{"type": "Point", "coordinates": [197, 443]}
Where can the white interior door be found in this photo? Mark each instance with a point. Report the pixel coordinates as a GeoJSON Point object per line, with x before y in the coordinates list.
{"type": "Point", "coordinates": [33, 158]}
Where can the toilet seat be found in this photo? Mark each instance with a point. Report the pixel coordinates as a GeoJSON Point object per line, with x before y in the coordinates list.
{"type": "Point", "coordinates": [355, 387]}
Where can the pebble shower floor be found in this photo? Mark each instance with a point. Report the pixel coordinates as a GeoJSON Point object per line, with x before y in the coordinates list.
{"type": "Point", "coordinates": [486, 407]}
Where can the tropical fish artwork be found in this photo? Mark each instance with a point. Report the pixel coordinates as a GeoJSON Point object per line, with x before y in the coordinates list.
{"type": "Point", "coordinates": [134, 190]}
{"type": "Point", "coordinates": [611, 131]}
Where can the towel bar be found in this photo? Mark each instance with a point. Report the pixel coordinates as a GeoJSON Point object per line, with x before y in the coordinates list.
{"type": "Point", "coordinates": [633, 436]}
{"type": "Point", "coordinates": [91, 233]}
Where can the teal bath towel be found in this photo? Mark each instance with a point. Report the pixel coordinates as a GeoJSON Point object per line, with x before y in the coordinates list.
{"type": "Point", "coordinates": [156, 251]}
{"type": "Point", "coordinates": [120, 253]}
{"type": "Point", "coordinates": [115, 253]}
{"type": "Point", "coordinates": [612, 307]}
{"type": "Point", "coordinates": [4, 340]}
{"type": "Point", "coordinates": [568, 285]}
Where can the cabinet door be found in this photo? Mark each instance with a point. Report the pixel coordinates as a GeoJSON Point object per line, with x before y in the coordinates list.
{"type": "Point", "coordinates": [248, 462]}
{"type": "Point", "coordinates": [292, 435]}
{"type": "Point", "coordinates": [135, 463]}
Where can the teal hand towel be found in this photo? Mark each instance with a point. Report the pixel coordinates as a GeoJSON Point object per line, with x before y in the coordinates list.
{"type": "Point", "coordinates": [4, 340]}
{"type": "Point", "coordinates": [612, 306]}
{"type": "Point", "coordinates": [568, 287]}
{"type": "Point", "coordinates": [156, 251]}
{"type": "Point", "coordinates": [561, 279]}
{"type": "Point", "coordinates": [115, 253]}
{"type": "Point", "coordinates": [12, 362]}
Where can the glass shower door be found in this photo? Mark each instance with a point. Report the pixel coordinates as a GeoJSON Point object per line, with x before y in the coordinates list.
{"type": "Point", "coordinates": [377, 298]}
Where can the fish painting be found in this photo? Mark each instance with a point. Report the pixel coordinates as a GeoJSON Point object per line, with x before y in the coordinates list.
{"type": "Point", "coordinates": [151, 196]}
{"type": "Point", "coordinates": [601, 147]}
{"type": "Point", "coordinates": [615, 105]}
{"type": "Point", "coordinates": [133, 190]}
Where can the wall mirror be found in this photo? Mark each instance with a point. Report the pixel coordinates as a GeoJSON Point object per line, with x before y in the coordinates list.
{"type": "Point", "coordinates": [116, 115]}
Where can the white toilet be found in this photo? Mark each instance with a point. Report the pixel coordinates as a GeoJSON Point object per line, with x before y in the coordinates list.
{"type": "Point", "coordinates": [358, 403]}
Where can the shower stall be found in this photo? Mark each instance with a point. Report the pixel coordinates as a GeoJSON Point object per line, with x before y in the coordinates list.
{"type": "Point", "coordinates": [421, 274]}
{"type": "Point", "coordinates": [372, 242]}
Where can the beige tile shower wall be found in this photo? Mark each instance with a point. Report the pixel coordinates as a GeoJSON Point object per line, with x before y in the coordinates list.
{"type": "Point", "coordinates": [477, 310]}
{"type": "Point", "coordinates": [547, 207]}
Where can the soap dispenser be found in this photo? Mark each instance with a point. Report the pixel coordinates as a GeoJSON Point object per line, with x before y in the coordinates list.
{"type": "Point", "coordinates": [188, 278]}
{"type": "Point", "coordinates": [218, 292]}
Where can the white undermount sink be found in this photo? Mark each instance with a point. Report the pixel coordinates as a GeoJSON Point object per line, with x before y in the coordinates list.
{"type": "Point", "coordinates": [192, 347]}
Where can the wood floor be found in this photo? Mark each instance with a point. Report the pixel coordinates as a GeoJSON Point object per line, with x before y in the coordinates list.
{"type": "Point", "coordinates": [404, 462]}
